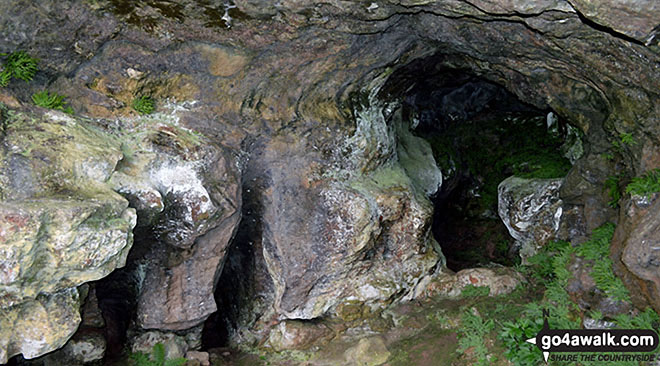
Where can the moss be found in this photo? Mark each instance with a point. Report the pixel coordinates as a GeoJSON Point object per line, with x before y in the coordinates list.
{"type": "Point", "coordinates": [492, 150]}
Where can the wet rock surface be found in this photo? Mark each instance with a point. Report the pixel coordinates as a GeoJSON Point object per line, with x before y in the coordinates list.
{"type": "Point", "coordinates": [293, 105]}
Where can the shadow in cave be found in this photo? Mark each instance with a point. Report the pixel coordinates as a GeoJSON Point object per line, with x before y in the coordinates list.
{"type": "Point", "coordinates": [480, 134]}
{"type": "Point", "coordinates": [244, 282]}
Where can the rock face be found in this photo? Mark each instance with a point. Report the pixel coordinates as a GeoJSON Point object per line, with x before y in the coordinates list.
{"type": "Point", "coordinates": [64, 223]}
{"type": "Point", "coordinates": [531, 210]}
{"type": "Point", "coordinates": [294, 105]}
{"type": "Point", "coordinates": [61, 226]}
{"type": "Point", "coordinates": [635, 244]}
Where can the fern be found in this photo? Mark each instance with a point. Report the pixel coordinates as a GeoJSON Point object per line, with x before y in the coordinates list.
{"type": "Point", "coordinates": [627, 139]}
{"type": "Point", "coordinates": [564, 312]}
{"type": "Point", "coordinates": [51, 101]}
{"type": "Point", "coordinates": [513, 336]}
{"type": "Point", "coordinates": [647, 319]}
{"type": "Point", "coordinates": [597, 249]}
{"type": "Point", "coordinates": [158, 353]}
{"type": "Point", "coordinates": [18, 65]}
{"type": "Point", "coordinates": [612, 186]}
{"type": "Point", "coordinates": [5, 77]}
{"type": "Point", "coordinates": [645, 185]}
{"type": "Point", "coordinates": [474, 331]}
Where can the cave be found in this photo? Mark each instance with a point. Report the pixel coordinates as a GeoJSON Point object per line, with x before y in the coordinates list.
{"type": "Point", "coordinates": [301, 183]}
{"type": "Point", "coordinates": [479, 134]}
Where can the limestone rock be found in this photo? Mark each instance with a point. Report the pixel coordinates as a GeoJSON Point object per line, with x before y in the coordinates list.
{"type": "Point", "coordinates": [531, 210]}
{"type": "Point", "coordinates": [333, 230]}
{"type": "Point", "coordinates": [175, 345]}
{"type": "Point", "coordinates": [201, 357]}
{"type": "Point", "coordinates": [637, 19]}
{"type": "Point", "coordinates": [368, 352]}
{"type": "Point", "coordinates": [61, 225]}
{"type": "Point", "coordinates": [339, 218]}
{"type": "Point", "coordinates": [298, 335]}
{"type": "Point", "coordinates": [178, 289]}
{"type": "Point", "coordinates": [500, 281]}
{"type": "Point", "coordinates": [81, 349]}
{"type": "Point", "coordinates": [38, 326]}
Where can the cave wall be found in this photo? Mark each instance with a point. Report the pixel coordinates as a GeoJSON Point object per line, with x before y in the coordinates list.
{"type": "Point", "coordinates": [293, 91]}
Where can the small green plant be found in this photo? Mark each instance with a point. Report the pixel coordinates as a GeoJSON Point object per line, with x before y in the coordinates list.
{"type": "Point", "coordinates": [613, 191]}
{"type": "Point", "coordinates": [157, 358]}
{"type": "Point", "coordinates": [608, 156]}
{"type": "Point", "coordinates": [5, 77]}
{"type": "Point", "coordinates": [513, 336]}
{"type": "Point", "coordinates": [51, 101]}
{"type": "Point", "coordinates": [475, 291]}
{"type": "Point", "coordinates": [564, 312]}
{"type": "Point", "coordinates": [627, 139]}
{"type": "Point", "coordinates": [597, 249]}
{"type": "Point", "coordinates": [18, 65]}
{"type": "Point", "coordinates": [473, 332]}
{"type": "Point", "coordinates": [645, 185]}
{"type": "Point", "coordinates": [143, 105]}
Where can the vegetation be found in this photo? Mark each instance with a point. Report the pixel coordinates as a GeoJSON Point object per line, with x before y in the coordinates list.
{"type": "Point", "coordinates": [493, 330]}
{"type": "Point", "coordinates": [143, 105]}
{"type": "Point", "coordinates": [18, 65]}
{"type": "Point", "coordinates": [551, 266]}
{"type": "Point", "coordinates": [646, 184]}
{"type": "Point", "coordinates": [51, 101]}
{"type": "Point", "coordinates": [613, 190]}
{"type": "Point", "coordinates": [513, 333]}
{"type": "Point", "coordinates": [627, 139]}
{"type": "Point", "coordinates": [471, 337]}
{"type": "Point", "coordinates": [597, 249]}
{"type": "Point", "coordinates": [475, 291]}
{"type": "Point", "coordinates": [157, 358]}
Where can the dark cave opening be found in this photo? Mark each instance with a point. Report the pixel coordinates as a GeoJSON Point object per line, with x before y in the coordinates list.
{"type": "Point", "coordinates": [480, 134]}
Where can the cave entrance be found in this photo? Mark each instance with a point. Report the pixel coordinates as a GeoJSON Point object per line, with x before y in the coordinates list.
{"type": "Point", "coordinates": [480, 134]}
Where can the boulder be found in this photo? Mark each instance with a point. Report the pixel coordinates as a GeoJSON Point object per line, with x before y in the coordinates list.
{"type": "Point", "coordinates": [175, 345]}
{"type": "Point", "coordinates": [531, 210]}
{"type": "Point", "coordinates": [368, 352]}
{"type": "Point", "coordinates": [500, 281]}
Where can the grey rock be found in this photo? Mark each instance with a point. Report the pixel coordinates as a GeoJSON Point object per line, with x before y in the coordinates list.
{"type": "Point", "coordinates": [531, 210]}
